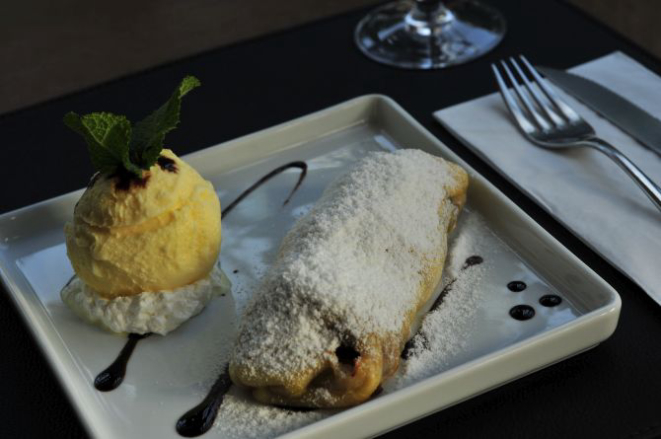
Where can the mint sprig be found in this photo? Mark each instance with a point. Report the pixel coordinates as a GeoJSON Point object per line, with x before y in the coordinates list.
{"type": "Point", "coordinates": [112, 142]}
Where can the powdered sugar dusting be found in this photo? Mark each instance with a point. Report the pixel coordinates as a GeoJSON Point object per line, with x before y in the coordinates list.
{"type": "Point", "coordinates": [369, 233]}
{"type": "Point", "coordinates": [241, 418]}
{"type": "Point", "coordinates": [444, 332]}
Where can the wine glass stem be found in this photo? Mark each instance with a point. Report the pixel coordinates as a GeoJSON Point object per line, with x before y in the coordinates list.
{"type": "Point", "coordinates": [432, 13]}
{"type": "Point", "coordinates": [428, 5]}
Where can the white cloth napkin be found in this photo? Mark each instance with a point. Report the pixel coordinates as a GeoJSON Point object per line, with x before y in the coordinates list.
{"type": "Point", "coordinates": [582, 188]}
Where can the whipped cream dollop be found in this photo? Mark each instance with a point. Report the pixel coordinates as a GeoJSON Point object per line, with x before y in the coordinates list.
{"type": "Point", "coordinates": [158, 312]}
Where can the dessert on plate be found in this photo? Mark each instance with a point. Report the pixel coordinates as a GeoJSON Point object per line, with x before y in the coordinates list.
{"type": "Point", "coordinates": [329, 321]}
{"type": "Point", "coordinates": [145, 235]}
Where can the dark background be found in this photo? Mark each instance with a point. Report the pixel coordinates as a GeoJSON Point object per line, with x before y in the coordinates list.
{"type": "Point", "coordinates": [49, 48]}
{"type": "Point", "coordinates": [613, 390]}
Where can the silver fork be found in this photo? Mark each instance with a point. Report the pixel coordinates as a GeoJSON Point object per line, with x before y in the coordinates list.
{"type": "Point", "coordinates": [548, 121]}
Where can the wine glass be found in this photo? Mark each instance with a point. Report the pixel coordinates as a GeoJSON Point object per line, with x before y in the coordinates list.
{"type": "Point", "coordinates": [428, 34]}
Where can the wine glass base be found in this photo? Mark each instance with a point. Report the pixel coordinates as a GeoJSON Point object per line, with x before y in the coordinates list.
{"type": "Point", "coordinates": [397, 35]}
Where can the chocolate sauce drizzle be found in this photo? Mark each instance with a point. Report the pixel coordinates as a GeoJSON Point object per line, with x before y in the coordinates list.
{"type": "Point", "coordinates": [114, 374]}
{"type": "Point", "coordinates": [406, 352]}
{"type": "Point", "coordinates": [298, 164]}
{"type": "Point", "coordinates": [200, 418]}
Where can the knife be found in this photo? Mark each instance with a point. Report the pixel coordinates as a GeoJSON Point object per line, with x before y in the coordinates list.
{"type": "Point", "coordinates": [627, 116]}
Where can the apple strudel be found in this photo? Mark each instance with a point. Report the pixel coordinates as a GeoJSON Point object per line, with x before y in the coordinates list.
{"type": "Point", "coordinates": [328, 323]}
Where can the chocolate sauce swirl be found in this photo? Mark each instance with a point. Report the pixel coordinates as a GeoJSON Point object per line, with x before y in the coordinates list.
{"type": "Point", "coordinates": [298, 164]}
{"type": "Point", "coordinates": [114, 374]}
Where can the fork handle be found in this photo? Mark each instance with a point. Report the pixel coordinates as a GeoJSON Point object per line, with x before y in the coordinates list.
{"type": "Point", "coordinates": [651, 189]}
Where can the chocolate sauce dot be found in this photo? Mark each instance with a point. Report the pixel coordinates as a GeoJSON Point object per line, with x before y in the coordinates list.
{"type": "Point", "coordinates": [550, 300]}
{"type": "Point", "coordinates": [517, 286]}
{"type": "Point", "coordinates": [167, 164]}
{"type": "Point", "coordinates": [472, 260]}
{"type": "Point", "coordinates": [124, 180]}
{"type": "Point", "coordinates": [522, 312]}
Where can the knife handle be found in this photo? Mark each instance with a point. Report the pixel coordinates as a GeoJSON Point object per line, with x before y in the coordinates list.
{"type": "Point", "coordinates": [651, 189]}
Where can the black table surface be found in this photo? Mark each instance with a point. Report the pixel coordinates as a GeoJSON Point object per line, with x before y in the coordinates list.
{"type": "Point", "coordinates": [613, 390]}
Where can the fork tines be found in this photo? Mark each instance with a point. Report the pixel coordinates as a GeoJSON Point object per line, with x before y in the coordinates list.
{"type": "Point", "coordinates": [536, 106]}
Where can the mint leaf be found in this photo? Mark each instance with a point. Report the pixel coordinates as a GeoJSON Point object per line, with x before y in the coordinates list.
{"type": "Point", "coordinates": [148, 134]}
{"type": "Point", "coordinates": [107, 136]}
{"type": "Point", "coordinates": [112, 143]}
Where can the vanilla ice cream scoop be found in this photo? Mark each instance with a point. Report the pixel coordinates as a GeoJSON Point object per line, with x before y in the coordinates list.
{"type": "Point", "coordinates": [131, 235]}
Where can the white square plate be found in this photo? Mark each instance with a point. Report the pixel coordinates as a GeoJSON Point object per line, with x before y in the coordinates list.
{"type": "Point", "coordinates": [169, 375]}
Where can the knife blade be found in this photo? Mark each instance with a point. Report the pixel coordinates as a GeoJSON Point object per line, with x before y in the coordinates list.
{"type": "Point", "coordinates": [629, 117]}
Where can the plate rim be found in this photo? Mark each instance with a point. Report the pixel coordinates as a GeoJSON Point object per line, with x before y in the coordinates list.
{"type": "Point", "coordinates": [86, 415]}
